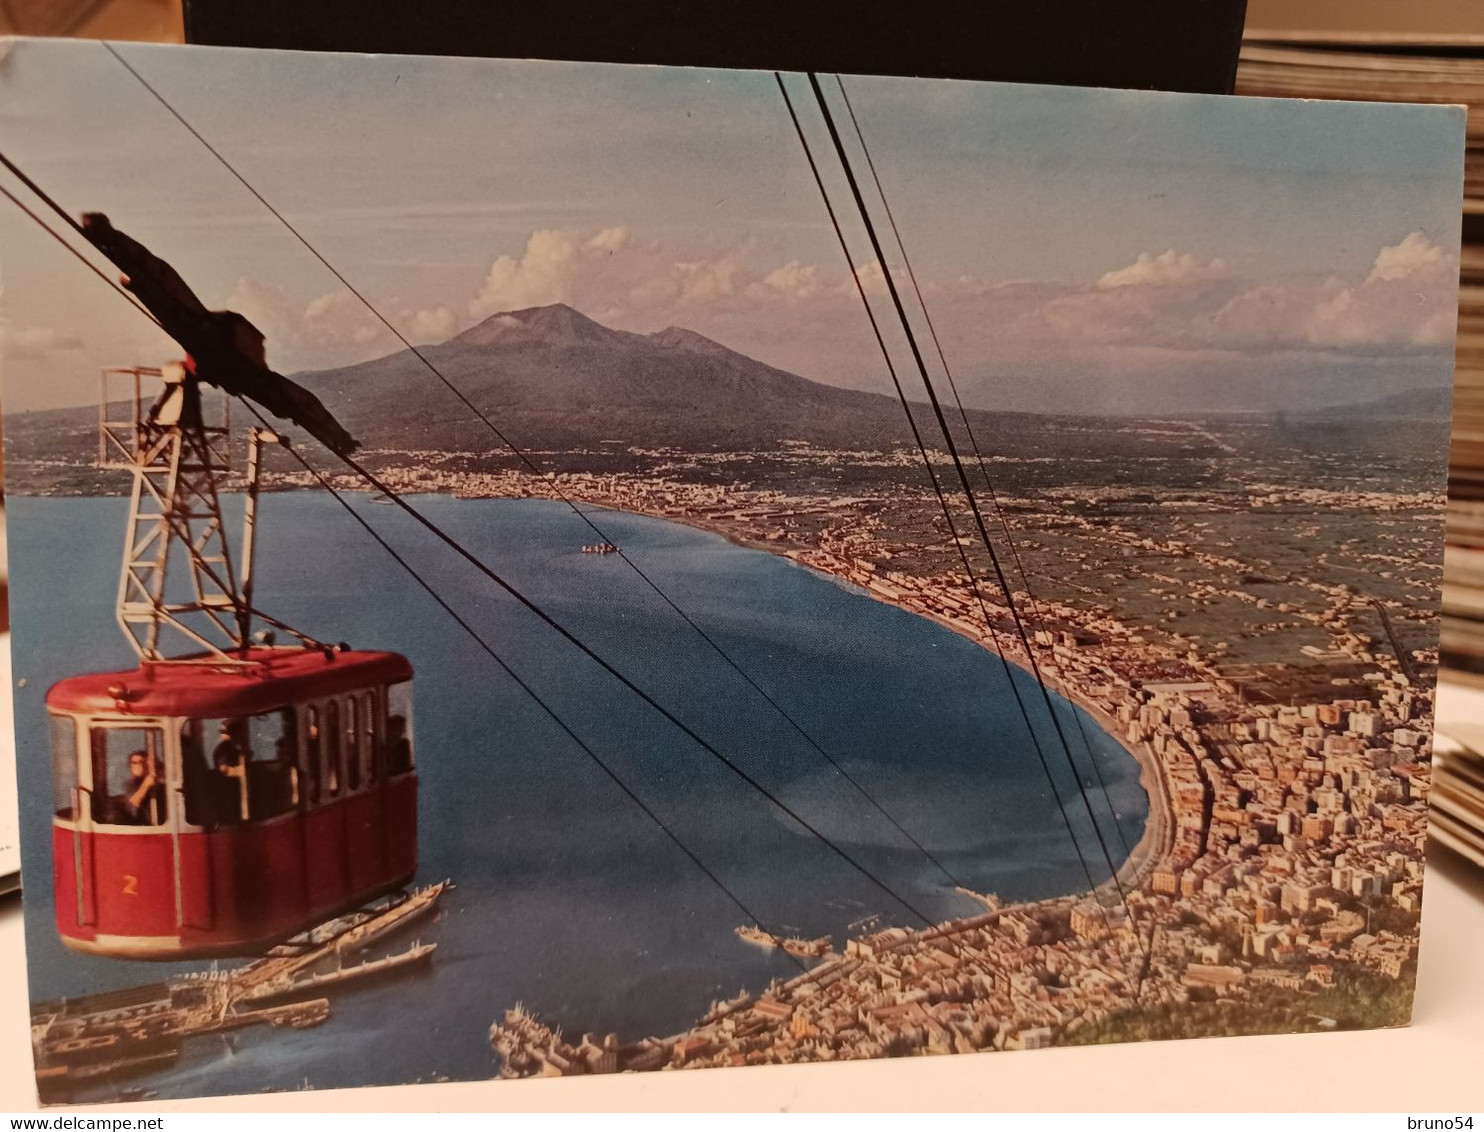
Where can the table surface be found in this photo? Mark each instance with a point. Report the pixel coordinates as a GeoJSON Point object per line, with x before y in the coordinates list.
{"type": "Point", "coordinates": [1434, 1065]}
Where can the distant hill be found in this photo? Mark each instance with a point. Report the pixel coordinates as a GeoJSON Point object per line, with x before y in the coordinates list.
{"type": "Point", "coordinates": [553, 379]}
{"type": "Point", "coordinates": [1433, 404]}
{"type": "Point", "coordinates": [552, 376]}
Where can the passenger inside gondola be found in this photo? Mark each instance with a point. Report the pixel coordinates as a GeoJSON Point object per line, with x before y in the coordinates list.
{"type": "Point", "coordinates": [398, 745]}
{"type": "Point", "coordinates": [143, 800]}
{"type": "Point", "coordinates": [246, 812]}
{"type": "Point", "coordinates": [195, 776]}
{"type": "Point", "coordinates": [331, 749]}
{"type": "Point", "coordinates": [312, 756]}
{"type": "Point", "coordinates": [251, 775]}
{"type": "Point", "coordinates": [128, 776]}
{"type": "Point", "coordinates": [272, 777]}
{"type": "Point", "coordinates": [228, 774]}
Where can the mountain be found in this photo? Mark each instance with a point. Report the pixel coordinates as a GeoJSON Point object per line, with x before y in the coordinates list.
{"type": "Point", "coordinates": [1428, 404]}
{"type": "Point", "coordinates": [552, 376]}
{"type": "Point", "coordinates": [554, 380]}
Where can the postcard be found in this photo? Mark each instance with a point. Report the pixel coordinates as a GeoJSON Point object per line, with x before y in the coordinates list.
{"type": "Point", "coordinates": [545, 569]}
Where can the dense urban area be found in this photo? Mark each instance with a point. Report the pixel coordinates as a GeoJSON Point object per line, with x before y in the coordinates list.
{"type": "Point", "coordinates": [1248, 604]}
{"type": "Point", "coordinates": [1263, 643]}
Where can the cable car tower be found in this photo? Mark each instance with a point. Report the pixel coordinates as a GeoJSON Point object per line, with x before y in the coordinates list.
{"type": "Point", "coordinates": [178, 578]}
{"type": "Point", "coordinates": [226, 793]}
{"type": "Point", "coordinates": [229, 792]}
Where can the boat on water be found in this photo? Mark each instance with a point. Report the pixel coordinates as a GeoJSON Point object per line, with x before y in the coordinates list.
{"type": "Point", "coordinates": [808, 948]}
{"type": "Point", "coordinates": [803, 948]}
{"type": "Point", "coordinates": [756, 935]}
{"type": "Point", "coordinates": [600, 548]}
{"type": "Point", "coordinates": [54, 1082]}
{"type": "Point", "coordinates": [393, 918]}
{"type": "Point", "coordinates": [141, 1030]}
{"type": "Point", "coordinates": [360, 929]}
{"type": "Point", "coordinates": [291, 988]}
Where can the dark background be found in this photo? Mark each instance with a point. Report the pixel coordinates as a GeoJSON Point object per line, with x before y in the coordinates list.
{"type": "Point", "coordinates": [1186, 45]}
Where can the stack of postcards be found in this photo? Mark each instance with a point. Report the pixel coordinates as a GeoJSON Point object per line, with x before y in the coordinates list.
{"type": "Point", "coordinates": [1378, 67]}
{"type": "Point", "coordinates": [1404, 68]}
{"type": "Point", "coordinates": [1457, 814]}
{"type": "Point", "coordinates": [1416, 68]}
{"type": "Point", "coordinates": [1389, 67]}
{"type": "Point", "coordinates": [1463, 561]}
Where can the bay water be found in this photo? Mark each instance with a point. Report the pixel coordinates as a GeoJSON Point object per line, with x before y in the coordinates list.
{"type": "Point", "coordinates": [569, 899]}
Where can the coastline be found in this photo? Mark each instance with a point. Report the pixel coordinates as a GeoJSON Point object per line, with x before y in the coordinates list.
{"type": "Point", "coordinates": [1157, 839]}
{"type": "Point", "coordinates": [1066, 969]}
{"type": "Point", "coordinates": [1169, 955]}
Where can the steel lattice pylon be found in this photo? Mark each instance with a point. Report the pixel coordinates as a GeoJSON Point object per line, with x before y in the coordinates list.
{"type": "Point", "coordinates": [178, 573]}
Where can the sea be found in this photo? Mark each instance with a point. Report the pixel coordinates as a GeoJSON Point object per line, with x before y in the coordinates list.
{"type": "Point", "coordinates": [569, 899]}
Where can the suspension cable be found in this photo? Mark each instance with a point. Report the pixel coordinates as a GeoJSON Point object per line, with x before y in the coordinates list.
{"type": "Point", "coordinates": [540, 702]}
{"type": "Point", "coordinates": [41, 195]}
{"type": "Point", "coordinates": [394, 497]}
{"type": "Point", "coordinates": [442, 603]}
{"type": "Point", "coordinates": [933, 479]}
{"type": "Point", "coordinates": [962, 474]}
{"type": "Point", "coordinates": [994, 500]}
{"type": "Point", "coordinates": [453, 544]}
{"type": "Point", "coordinates": [550, 481]}
{"type": "Point", "coordinates": [89, 264]}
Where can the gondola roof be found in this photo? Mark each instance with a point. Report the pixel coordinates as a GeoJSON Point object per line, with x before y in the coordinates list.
{"type": "Point", "coordinates": [272, 678]}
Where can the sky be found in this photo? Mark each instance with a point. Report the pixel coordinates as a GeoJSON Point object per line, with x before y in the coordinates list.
{"type": "Point", "coordinates": [1086, 250]}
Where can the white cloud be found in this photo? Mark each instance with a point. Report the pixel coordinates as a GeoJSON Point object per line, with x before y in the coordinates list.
{"type": "Point", "coordinates": [553, 268]}
{"type": "Point", "coordinates": [330, 329]}
{"type": "Point", "coordinates": [973, 285]}
{"type": "Point", "coordinates": [37, 341]}
{"type": "Point", "coordinates": [334, 327]}
{"type": "Point", "coordinates": [429, 325]}
{"type": "Point", "coordinates": [541, 275]}
{"type": "Point", "coordinates": [1149, 313]}
{"type": "Point", "coordinates": [872, 278]}
{"type": "Point", "coordinates": [1273, 310]}
{"type": "Point", "coordinates": [1154, 313]}
{"type": "Point", "coordinates": [609, 240]}
{"type": "Point", "coordinates": [271, 309]}
{"type": "Point", "coordinates": [704, 281]}
{"type": "Point", "coordinates": [338, 318]}
{"type": "Point", "coordinates": [661, 289]}
{"type": "Point", "coordinates": [1415, 255]}
{"type": "Point", "coordinates": [1405, 301]}
{"type": "Point", "coordinates": [1162, 270]}
{"type": "Point", "coordinates": [1410, 298]}
{"type": "Point", "coordinates": [794, 280]}
{"type": "Point", "coordinates": [610, 275]}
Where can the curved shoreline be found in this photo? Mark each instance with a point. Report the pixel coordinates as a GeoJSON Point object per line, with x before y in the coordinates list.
{"type": "Point", "coordinates": [1157, 838]}
{"type": "Point", "coordinates": [1155, 841]}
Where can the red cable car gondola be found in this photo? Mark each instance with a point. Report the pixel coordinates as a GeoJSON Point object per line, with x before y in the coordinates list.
{"type": "Point", "coordinates": [220, 802]}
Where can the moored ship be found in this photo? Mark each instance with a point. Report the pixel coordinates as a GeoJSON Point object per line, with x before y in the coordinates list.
{"type": "Point", "coordinates": [803, 948]}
